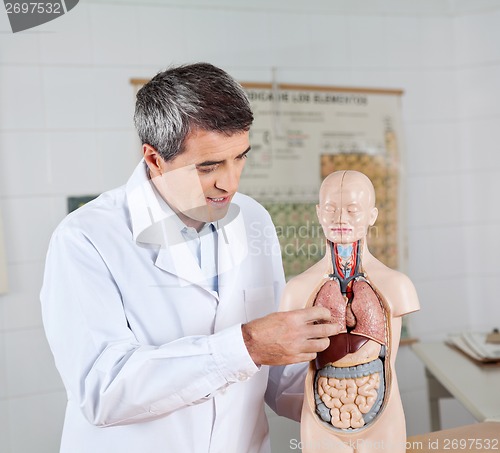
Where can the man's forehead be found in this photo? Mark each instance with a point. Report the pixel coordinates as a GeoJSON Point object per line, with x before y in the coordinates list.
{"type": "Point", "coordinates": [211, 145]}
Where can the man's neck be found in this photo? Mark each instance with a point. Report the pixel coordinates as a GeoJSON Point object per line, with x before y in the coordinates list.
{"type": "Point", "coordinates": [197, 225]}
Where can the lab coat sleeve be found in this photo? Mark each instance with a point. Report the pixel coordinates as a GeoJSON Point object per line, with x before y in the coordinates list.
{"type": "Point", "coordinates": [107, 372]}
{"type": "Point", "coordinates": [285, 390]}
{"type": "Point", "coordinates": [285, 387]}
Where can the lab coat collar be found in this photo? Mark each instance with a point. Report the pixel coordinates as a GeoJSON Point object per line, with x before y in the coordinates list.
{"type": "Point", "coordinates": [145, 211]}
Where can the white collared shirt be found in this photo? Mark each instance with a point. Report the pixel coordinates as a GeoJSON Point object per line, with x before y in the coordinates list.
{"type": "Point", "coordinates": [203, 245]}
{"type": "Point", "coordinates": [152, 360]}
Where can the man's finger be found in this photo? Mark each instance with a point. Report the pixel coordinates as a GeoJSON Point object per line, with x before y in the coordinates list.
{"type": "Point", "coordinates": [322, 330]}
{"type": "Point", "coordinates": [313, 314]}
{"type": "Point", "coordinates": [316, 344]}
{"type": "Point", "coordinates": [305, 357]}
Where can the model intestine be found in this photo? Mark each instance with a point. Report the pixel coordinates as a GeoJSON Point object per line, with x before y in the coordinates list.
{"type": "Point", "coordinates": [350, 402]}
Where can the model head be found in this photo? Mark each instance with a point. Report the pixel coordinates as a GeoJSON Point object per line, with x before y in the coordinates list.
{"type": "Point", "coordinates": [346, 206]}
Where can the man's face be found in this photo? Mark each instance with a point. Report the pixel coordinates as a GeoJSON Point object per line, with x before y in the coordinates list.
{"type": "Point", "coordinates": [200, 183]}
{"type": "Point", "coordinates": [346, 208]}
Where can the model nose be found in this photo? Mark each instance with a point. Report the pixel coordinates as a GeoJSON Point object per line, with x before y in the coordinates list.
{"type": "Point", "coordinates": [338, 216]}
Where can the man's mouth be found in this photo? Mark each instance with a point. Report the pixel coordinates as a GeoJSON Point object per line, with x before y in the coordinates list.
{"type": "Point", "coordinates": [218, 202]}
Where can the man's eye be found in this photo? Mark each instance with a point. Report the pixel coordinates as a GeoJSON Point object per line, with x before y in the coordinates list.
{"type": "Point", "coordinates": [207, 169]}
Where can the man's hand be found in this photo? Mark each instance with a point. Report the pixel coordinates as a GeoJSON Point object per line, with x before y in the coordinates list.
{"type": "Point", "coordinates": [288, 337]}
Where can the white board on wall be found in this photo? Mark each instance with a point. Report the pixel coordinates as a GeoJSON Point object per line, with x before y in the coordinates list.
{"type": "Point", "coordinates": [3, 261]}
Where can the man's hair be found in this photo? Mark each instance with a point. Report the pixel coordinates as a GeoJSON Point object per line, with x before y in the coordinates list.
{"type": "Point", "coordinates": [184, 98]}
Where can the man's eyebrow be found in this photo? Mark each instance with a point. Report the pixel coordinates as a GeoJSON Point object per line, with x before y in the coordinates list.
{"type": "Point", "coordinates": [245, 152]}
{"type": "Point", "coordinates": [208, 163]}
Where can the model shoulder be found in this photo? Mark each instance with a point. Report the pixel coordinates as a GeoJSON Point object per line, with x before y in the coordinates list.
{"type": "Point", "coordinates": [396, 287]}
{"type": "Point", "coordinates": [299, 289]}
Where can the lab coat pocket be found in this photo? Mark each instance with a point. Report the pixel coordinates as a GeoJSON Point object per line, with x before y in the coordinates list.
{"type": "Point", "coordinates": [258, 302]}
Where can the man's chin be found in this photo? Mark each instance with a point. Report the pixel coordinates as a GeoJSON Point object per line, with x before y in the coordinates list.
{"type": "Point", "coordinates": [215, 214]}
{"type": "Point", "coordinates": [207, 214]}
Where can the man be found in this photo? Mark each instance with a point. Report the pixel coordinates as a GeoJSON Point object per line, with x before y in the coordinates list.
{"type": "Point", "coordinates": [351, 397]}
{"type": "Point", "coordinates": [158, 296]}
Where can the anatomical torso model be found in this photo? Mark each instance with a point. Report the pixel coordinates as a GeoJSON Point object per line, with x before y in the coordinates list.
{"type": "Point", "coordinates": [351, 396]}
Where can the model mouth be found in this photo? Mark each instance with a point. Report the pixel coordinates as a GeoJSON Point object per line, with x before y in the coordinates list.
{"type": "Point", "coordinates": [341, 230]}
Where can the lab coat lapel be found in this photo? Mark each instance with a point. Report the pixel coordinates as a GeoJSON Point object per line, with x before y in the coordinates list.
{"type": "Point", "coordinates": [178, 260]}
{"type": "Point", "coordinates": [232, 249]}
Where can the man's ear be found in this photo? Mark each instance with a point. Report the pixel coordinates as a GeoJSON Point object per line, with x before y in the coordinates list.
{"type": "Point", "coordinates": [373, 216]}
{"type": "Point", "coordinates": [153, 160]}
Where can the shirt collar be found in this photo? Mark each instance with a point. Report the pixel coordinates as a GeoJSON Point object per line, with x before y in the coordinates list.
{"type": "Point", "coordinates": [153, 220]}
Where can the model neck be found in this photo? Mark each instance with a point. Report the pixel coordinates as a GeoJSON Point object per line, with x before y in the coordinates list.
{"type": "Point", "coordinates": [346, 262]}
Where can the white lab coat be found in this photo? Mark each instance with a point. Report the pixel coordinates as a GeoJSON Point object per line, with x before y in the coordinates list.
{"type": "Point", "coordinates": [152, 361]}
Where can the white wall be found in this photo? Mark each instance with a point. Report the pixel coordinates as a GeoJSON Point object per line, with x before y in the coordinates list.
{"type": "Point", "coordinates": [65, 129]}
{"type": "Point", "coordinates": [454, 178]}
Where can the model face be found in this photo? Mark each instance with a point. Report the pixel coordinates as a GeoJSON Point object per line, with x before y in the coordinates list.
{"type": "Point", "coordinates": [346, 208]}
{"type": "Point", "coordinates": [200, 183]}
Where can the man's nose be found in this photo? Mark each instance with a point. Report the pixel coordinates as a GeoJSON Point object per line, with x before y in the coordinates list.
{"type": "Point", "coordinates": [228, 180]}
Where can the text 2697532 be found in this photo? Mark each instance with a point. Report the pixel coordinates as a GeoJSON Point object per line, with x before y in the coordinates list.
{"type": "Point", "coordinates": [33, 8]}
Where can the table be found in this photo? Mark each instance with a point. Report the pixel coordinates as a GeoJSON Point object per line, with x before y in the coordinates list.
{"type": "Point", "coordinates": [480, 437]}
{"type": "Point", "coordinates": [451, 374]}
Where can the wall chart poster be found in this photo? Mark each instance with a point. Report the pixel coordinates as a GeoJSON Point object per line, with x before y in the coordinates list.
{"type": "Point", "coordinates": [301, 134]}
